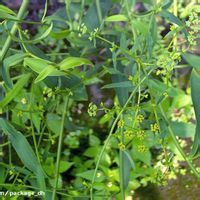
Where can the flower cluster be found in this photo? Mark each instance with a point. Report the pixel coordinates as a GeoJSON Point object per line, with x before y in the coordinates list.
{"type": "Point", "coordinates": [128, 133]}
{"type": "Point", "coordinates": [142, 148]}
{"type": "Point", "coordinates": [82, 30]}
{"type": "Point", "coordinates": [121, 146]}
{"type": "Point", "coordinates": [120, 123]}
{"type": "Point", "coordinates": [140, 134]}
{"type": "Point", "coordinates": [155, 128]}
{"type": "Point", "coordinates": [92, 110]}
{"type": "Point", "coordinates": [140, 118]}
{"type": "Point", "coordinates": [47, 93]}
{"type": "Point", "coordinates": [93, 34]}
{"type": "Point", "coordinates": [193, 25]}
{"type": "Point", "coordinates": [24, 101]}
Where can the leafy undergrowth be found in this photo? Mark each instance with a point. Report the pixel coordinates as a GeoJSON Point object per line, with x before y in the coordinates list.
{"type": "Point", "coordinates": [99, 99]}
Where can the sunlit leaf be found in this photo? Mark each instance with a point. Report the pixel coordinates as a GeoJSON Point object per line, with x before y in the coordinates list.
{"type": "Point", "coordinates": [116, 18]}
{"type": "Point", "coordinates": [72, 62]}
{"type": "Point", "coordinates": [11, 94]}
{"type": "Point", "coordinates": [24, 151]}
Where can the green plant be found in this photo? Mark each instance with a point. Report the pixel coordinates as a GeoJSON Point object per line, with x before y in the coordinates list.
{"type": "Point", "coordinates": [55, 128]}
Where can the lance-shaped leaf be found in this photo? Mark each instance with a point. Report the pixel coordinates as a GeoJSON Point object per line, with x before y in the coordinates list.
{"type": "Point", "coordinates": [4, 9]}
{"type": "Point", "coordinates": [11, 94]}
{"type": "Point", "coordinates": [193, 60]}
{"type": "Point", "coordinates": [123, 84]}
{"type": "Point", "coordinates": [6, 13]}
{"type": "Point", "coordinates": [195, 91]}
{"type": "Point", "coordinates": [36, 64]}
{"type": "Point", "coordinates": [43, 67]}
{"type": "Point", "coordinates": [172, 18]}
{"type": "Point", "coordinates": [24, 151]}
{"type": "Point", "coordinates": [117, 18]}
{"type": "Point", "coordinates": [72, 62]}
{"type": "Point", "coordinates": [8, 63]}
{"type": "Point", "coordinates": [36, 40]}
{"type": "Point", "coordinates": [48, 71]}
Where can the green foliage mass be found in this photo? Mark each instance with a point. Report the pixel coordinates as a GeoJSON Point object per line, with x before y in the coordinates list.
{"type": "Point", "coordinates": [93, 104]}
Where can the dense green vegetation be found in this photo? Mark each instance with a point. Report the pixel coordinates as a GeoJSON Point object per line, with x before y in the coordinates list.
{"type": "Point", "coordinates": [98, 98]}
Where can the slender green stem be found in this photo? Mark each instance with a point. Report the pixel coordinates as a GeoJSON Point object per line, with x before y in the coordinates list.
{"type": "Point", "coordinates": [82, 11]}
{"type": "Point", "coordinates": [196, 173]}
{"type": "Point", "coordinates": [175, 11]}
{"type": "Point", "coordinates": [45, 11]}
{"type": "Point", "coordinates": [153, 103]}
{"type": "Point", "coordinates": [34, 138]}
{"type": "Point", "coordinates": [20, 15]}
{"type": "Point", "coordinates": [32, 127]}
{"type": "Point", "coordinates": [121, 167]}
{"type": "Point", "coordinates": [99, 11]}
{"type": "Point", "coordinates": [67, 2]}
{"type": "Point", "coordinates": [131, 20]}
{"type": "Point", "coordinates": [111, 131]}
{"type": "Point", "coordinates": [60, 146]}
{"type": "Point", "coordinates": [136, 59]}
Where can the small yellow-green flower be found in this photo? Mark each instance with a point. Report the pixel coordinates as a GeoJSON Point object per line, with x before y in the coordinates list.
{"type": "Point", "coordinates": [142, 148]}
{"type": "Point", "coordinates": [130, 78]}
{"type": "Point", "coordinates": [98, 174]}
{"type": "Point", "coordinates": [110, 184]}
{"type": "Point", "coordinates": [128, 133]}
{"type": "Point", "coordinates": [92, 110]}
{"type": "Point", "coordinates": [24, 100]}
{"type": "Point", "coordinates": [155, 128]}
{"type": "Point", "coordinates": [140, 134]}
{"type": "Point", "coordinates": [121, 146]}
{"type": "Point", "coordinates": [20, 114]}
{"type": "Point", "coordinates": [120, 123]}
{"type": "Point", "coordinates": [140, 118]}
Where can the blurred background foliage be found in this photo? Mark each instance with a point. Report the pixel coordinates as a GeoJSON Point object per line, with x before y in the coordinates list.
{"type": "Point", "coordinates": [115, 48]}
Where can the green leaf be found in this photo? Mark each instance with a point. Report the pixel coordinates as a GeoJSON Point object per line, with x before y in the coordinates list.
{"type": "Point", "coordinates": [94, 140]}
{"type": "Point", "coordinates": [127, 165]}
{"type": "Point", "coordinates": [88, 175]}
{"type": "Point", "coordinates": [7, 16]}
{"type": "Point", "coordinates": [6, 13]}
{"type": "Point", "coordinates": [54, 123]}
{"type": "Point", "coordinates": [121, 92]}
{"type": "Point", "coordinates": [141, 26]}
{"type": "Point", "coordinates": [2, 174]}
{"type": "Point", "coordinates": [130, 159]}
{"type": "Point", "coordinates": [123, 84]}
{"type": "Point", "coordinates": [195, 91]}
{"type": "Point", "coordinates": [91, 19]}
{"type": "Point", "coordinates": [167, 4]}
{"type": "Point", "coordinates": [36, 40]}
{"type": "Point", "coordinates": [36, 117]}
{"type": "Point", "coordinates": [60, 35]}
{"type": "Point", "coordinates": [182, 129]}
{"type": "Point", "coordinates": [34, 50]}
{"type": "Point", "coordinates": [92, 152]}
{"type": "Point", "coordinates": [72, 62]}
{"type": "Point", "coordinates": [116, 18]}
{"type": "Point", "coordinates": [64, 166]}
{"type": "Point", "coordinates": [143, 156]}
{"type": "Point", "coordinates": [4, 9]}
{"type": "Point", "coordinates": [36, 64]}
{"type": "Point", "coordinates": [48, 71]}
{"type": "Point", "coordinates": [24, 151]}
{"type": "Point", "coordinates": [8, 63]}
{"type": "Point", "coordinates": [11, 94]}
{"type": "Point", "coordinates": [172, 18]}
{"type": "Point", "coordinates": [193, 60]}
